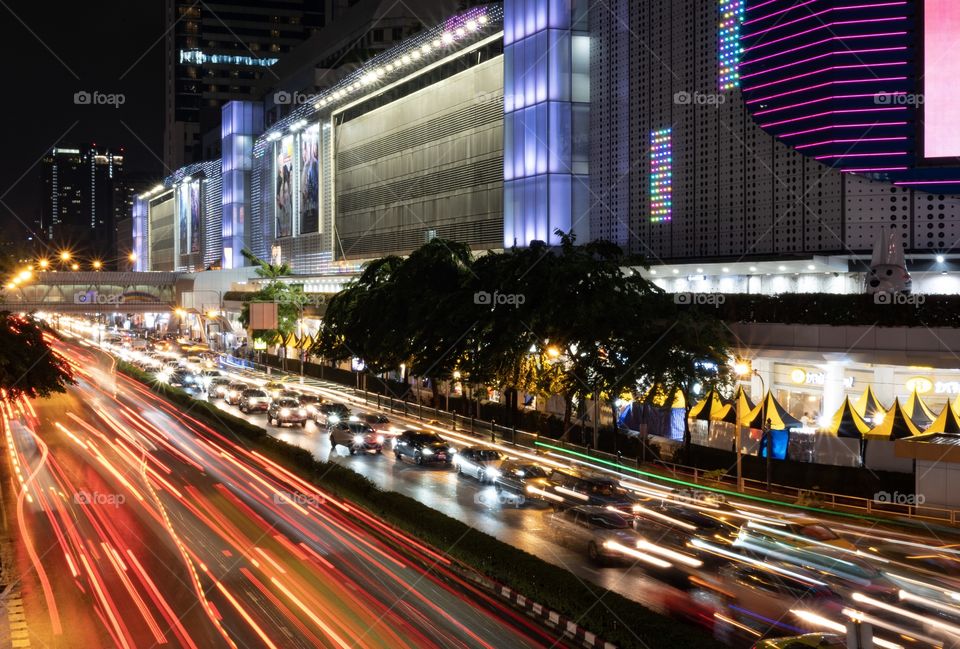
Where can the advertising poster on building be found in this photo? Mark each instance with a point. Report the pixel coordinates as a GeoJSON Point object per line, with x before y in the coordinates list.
{"type": "Point", "coordinates": [284, 187]}
{"type": "Point", "coordinates": [194, 194]}
{"type": "Point", "coordinates": [310, 180]}
{"type": "Point", "coordinates": [183, 218]}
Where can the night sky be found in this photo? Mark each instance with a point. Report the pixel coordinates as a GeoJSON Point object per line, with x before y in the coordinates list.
{"type": "Point", "coordinates": [52, 50]}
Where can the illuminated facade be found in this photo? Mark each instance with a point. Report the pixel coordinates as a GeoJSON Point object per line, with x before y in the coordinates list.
{"type": "Point", "coordinates": [749, 137]}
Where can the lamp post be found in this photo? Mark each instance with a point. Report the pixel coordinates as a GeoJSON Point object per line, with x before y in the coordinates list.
{"type": "Point", "coordinates": [743, 368]}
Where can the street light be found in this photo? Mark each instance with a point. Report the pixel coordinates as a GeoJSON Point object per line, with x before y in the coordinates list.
{"type": "Point", "coordinates": [97, 264]}
{"type": "Point", "coordinates": [75, 267]}
{"type": "Point", "coordinates": [44, 264]}
{"type": "Point", "coordinates": [65, 255]}
{"type": "Point", "coordinates": [743, 368]}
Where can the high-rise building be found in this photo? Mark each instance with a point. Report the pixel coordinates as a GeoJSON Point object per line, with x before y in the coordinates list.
{"type": "Point", "coordinates": [83, 194]}
{"type": "Point", "coordinates": [217, 52]}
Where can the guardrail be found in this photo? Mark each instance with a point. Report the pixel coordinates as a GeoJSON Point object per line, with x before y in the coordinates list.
{"type": "Point", "coordinates": [710, 479]}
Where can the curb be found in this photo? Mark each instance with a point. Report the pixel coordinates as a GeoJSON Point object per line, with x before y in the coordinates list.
{"type": "Point", "coordinates": [570, 629]}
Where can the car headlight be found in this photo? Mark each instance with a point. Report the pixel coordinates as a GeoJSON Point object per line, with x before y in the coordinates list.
{"type": "Point", "coordinates": [312, 410]}
{"type": "Point", "coordinates": [302, 412]}
{"type": "Point", "coordinates": [452, 451]}
{"type": "Point", "coordinates": [379, 439]}
{"type": "Point", "coordinates": [358, 440]}
{"type": "Point", "coordinates": [284, 412]}
{"type": "Point", "coordinates": [333, 419]}
{"type": "Point", "coordinates": [427, 451]}
{"type": "Point", "coordinates": [253, 401]}
{"type": "Point", "coordinates": [493, 473]}
{"type": "Point", "coordinates": [354, 418]}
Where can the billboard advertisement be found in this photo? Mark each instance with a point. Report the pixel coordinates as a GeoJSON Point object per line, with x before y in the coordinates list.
{"type": "Point", "coordinates": [188, 217]}
{"type": "Point", "coordinates": [284, 187]}
{"type": "Point", "coordinates": [941, 92]}
{"type": "Point", "coordinates": [310, 180]}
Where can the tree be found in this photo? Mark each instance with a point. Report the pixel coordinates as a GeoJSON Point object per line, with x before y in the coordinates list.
{"type": "Point", "coordinates": [28, 366]}
{"type": "Point", "coordinates": [290, 299]}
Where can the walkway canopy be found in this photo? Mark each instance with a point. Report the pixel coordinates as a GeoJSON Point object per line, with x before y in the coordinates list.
{"type": "Point", "coordinates": [779, 418]}
{"type": "Point", "coordinates": [947, 422]}
{"type": "Point", "coordinates": [868, 406]}
{"type": "Point", "coordinates": [895, 425]}
{"type": "Point", "coordinates": [918, 412]}
{"type": "Point", "coordinates": [847, 422]}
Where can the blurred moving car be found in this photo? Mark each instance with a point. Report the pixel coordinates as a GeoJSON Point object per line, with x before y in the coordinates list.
{"type": "Point", "coordinates": [310, 402]}
{"type": "Point", "coordinates": [423, 448]}
{"type": "Point", "coordinates": [795, 531]}
{"type": "Point", "coordinates": [593, 529]}
{"type": "Point", "coordinates": [479, 462]}
{"type": "Point", "coordinates": [331, 413]}
{"type": "Point", "coordinates": [218, 387]}
{"type": "Point", "coordinates": [761, 596]}
{"type": "Point", "coordinates": [286, 411]}
{"type": "Point", "coordinates": [356, 436]}
{"type": "Point", "coordinates": [233, 392]}
{"type": "Point", "coordinates": [379, 423]}
{"type": "Point", "coordinates": [273, 389]}
{"type": "Point", "coordinates": [570, 487]}
{"type": "Point", "coordinates": [522, 478]}
{"type": "Point", "coordinates": [254, 400]}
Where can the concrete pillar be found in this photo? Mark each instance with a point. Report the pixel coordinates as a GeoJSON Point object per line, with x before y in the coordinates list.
{"type": "Point", "coordinates": [884, 386]}
{"type": "Point", "coordinates": [833, 390]}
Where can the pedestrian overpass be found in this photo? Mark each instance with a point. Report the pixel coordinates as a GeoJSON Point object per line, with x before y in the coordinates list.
{"type": "Point", "coordinates": [94, 292]}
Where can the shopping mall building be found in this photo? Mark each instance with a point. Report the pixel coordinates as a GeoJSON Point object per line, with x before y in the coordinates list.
{"type": "Point", "coordinates": [738, 145]}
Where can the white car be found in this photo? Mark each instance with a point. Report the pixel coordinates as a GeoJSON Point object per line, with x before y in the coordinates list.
{"type": "Point", "coordinates": [480, 463]}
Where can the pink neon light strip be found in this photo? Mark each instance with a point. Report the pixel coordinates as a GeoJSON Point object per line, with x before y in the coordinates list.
{"type": "Point", "coordinates": [777, 13]}
{"type": "Point", "coordinates": [826, 26]}
{"type": "Point", "coordinates": [761, 5]}
{"type": "Point", "coordinates": [830, 69]}
{"type": "Point", "coordinates": [820, 13]}
{"type": "Point", "coordinates": [820, 100]}
{"type": "Point", "coordinates": [832, 126]}
{"type": "Point", "coordinates": [822, 85]}
{"type": "Point", "coordinates": [821, 42]}
{"type": "Point", "coordinates": [871, 50]}
{"type": "Point", "coordinates": [832, 112]}
{"type": "Point", "coordinates": [860, 155]}
{"type": "Point", "coordinates": [851, 141]}
{"type": "Point", "coordinates": [865, 170]}
{"type": "Point", "coordinates": [928, 182]}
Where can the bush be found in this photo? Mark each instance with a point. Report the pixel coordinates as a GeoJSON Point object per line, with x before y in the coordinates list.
{"type": "Point", "coordinates": [550, 586]}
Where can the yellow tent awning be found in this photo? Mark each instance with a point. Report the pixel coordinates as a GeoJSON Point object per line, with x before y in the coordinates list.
{"type": "Point", "coordinates": [868, 406]}
{"type": "Point", "coordinates": [771, 409]}
{"type": "Point", "coordinates": [895, 425]}
{"type": "Point", "coordinates": [711, 407]}
{"type": "Point", "coordinates": [847, 422]}
{"type": "Point", "coordinates": [918, 411]}
{"type": "Point", "coordinates": [946, 422]}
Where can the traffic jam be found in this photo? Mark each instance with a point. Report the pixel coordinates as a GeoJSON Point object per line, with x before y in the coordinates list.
{"type": "Point", "coordinates": [752, 572]}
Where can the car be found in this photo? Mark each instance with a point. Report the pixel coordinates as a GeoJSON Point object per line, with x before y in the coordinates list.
{"type": "Point", "coordinates": [847, 572]}
{"type": "Point", "coordinates": [802, 532]}
{"type": "Point", "coordinates": [478, 462]}
{"type": "Point", "coordinates": [274, 389]}
{"type": "Point", "coordinates": [289, 394]}
{"type": "Point", "coordinates": [522, 478]}
{"type": "Point", "coordinates": [595, 530]}
{"type": "Point", "coordinates": [356, 436]}
{"type": "Point", "coordinates": [232, 394]}
{"type": "Point", "coordinates": [286, 411]}
{"type": "Point", "coordinates": [378, 422]}
{"type": "Point", "coordinates": [310, 402]}
{"type": "Point", "coordinates": [331, 413]}
{"type": "Point", "coordinates": [254, 400]}
{"type": "Point", "coordinates": [571, 487]}
{"type": "Point", "coordinates": [762, 595]}
{"type": "Point", "coordinates": [686, 521]}
{"type": "Point", "coordinates": [805, 641]}
{"type": "Point", "coordinates": [423, 448]}
{"type": "Point", "coordinates": [218, 387]}
{"type": "Point", "coordinates": [180, 378]}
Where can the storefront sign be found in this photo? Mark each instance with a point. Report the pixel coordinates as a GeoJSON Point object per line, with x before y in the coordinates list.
{"type": "Point", "coordinates": [921, 384]}
{"type": "Point", "coordinates": [809, 377]}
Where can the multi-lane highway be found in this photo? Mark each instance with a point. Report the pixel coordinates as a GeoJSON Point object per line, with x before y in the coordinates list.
{"type": "Point", "coordinates": [137, 526]}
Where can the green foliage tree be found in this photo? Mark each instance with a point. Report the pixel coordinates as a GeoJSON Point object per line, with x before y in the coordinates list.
{"type": "Point", "coordinates": [290, 298]}
{"type": "Point", "coordinates": [562, 320]}
{"type": "Point", "coordinates": [28, 366]}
